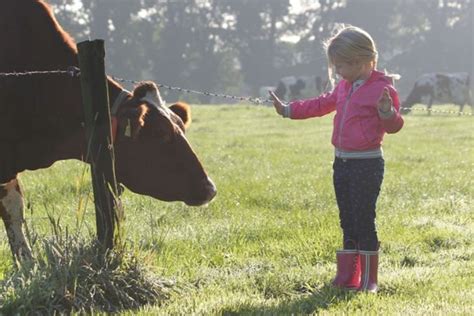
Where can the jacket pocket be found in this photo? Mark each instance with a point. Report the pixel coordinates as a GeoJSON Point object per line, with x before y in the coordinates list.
{"type": "Point", "coordinates": [372, 131]}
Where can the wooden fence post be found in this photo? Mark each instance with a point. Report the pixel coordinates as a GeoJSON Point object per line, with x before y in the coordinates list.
{"type": "Point", "coordinates": [100, 151]}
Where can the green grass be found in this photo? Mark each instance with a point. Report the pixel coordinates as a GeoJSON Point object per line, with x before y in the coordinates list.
{"type": "Point", "coordinates": [266, 244]}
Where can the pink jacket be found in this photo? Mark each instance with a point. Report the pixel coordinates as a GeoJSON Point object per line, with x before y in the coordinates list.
{"type": "Point", "coordinates": [357, 124]}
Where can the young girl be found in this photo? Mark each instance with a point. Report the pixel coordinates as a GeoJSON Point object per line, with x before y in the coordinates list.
{"type": "Point", "coordinates": [367, 107]}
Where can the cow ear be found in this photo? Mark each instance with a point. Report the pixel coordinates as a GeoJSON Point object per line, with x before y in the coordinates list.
{"type": "Point", "coordinates": [132, 120]}
{"type": "Point", "coordinates": [182, 110]}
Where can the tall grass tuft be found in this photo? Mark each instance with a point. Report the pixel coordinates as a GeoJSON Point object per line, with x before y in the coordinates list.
{"type": "Point", "coordinates": [71, 274]}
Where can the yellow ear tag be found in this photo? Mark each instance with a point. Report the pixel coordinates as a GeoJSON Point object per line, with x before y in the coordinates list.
{"type": "Point", "coordinates": [128, 129]}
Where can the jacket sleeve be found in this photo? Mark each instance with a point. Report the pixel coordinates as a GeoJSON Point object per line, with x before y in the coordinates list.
{"type": "Point", "coordinates": [315, 107]}
{"type": "Point", "coordinates": [392, 121]}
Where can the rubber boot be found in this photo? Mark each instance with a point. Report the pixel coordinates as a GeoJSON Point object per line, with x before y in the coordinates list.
{"type": "Point", "coordinates": [369, 263]}
{"type": "Point", "coordinates": [348, 269]}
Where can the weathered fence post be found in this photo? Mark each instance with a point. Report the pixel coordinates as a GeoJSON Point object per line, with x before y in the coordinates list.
{"type": "Point", "coordinates": [95, 99]}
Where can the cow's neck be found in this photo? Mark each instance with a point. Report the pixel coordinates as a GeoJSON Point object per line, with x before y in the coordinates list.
{"type": "Point", "coordinates": [64, 143]}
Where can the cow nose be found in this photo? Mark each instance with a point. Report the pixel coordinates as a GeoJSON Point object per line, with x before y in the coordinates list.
{"type": "Point", "coordinates": [205, 194]}
{"type": "Point", "coordinates": [210, 189]}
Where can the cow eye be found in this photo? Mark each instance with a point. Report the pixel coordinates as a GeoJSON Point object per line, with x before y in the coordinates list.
{"type": "Point", "coordinates": [156, 134]}
{"type": "Point", "coordinates": [164, 133]}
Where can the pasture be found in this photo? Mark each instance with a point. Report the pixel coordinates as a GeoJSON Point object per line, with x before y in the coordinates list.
{"type": "Point", "coordinates": [266, 244]}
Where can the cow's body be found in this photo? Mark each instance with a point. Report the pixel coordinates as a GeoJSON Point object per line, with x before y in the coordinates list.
{"type": "Point", "coordinates": [299, 87]}
{"type": "Point", "coordinates": [440, 88]}
{"type": "Point", "coordinates": [41, 121]}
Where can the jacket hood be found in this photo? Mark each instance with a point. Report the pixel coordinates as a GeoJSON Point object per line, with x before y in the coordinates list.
{"type": "Point", "coordinates": [374, 76]}
{"type": "Point", "coordinates": [379, 75]}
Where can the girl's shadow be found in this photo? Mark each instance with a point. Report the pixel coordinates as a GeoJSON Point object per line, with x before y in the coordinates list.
{"type": "Point", "coordinates": [318, 300]}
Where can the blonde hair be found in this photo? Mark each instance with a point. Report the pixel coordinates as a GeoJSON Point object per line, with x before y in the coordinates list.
{"type": "Point", "coordinates": [350, 44]}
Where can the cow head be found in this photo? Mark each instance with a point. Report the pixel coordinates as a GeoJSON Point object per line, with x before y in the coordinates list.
{"type": "Point", "coordinates": [295, 89]}
{"type": "Point", "coordinates": [411, 100]}
{"type": "Point", "coordinates": [280, 91]}
{"type": "Point", "coordinates": [415, 96]}
{"type": "Point", "coordinates": [152, 154]}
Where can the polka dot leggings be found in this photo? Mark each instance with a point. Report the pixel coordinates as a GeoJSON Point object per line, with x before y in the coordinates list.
{"type": "Point", "coordinates": [357, 185]}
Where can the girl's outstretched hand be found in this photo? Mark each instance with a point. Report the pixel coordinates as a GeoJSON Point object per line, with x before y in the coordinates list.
{"type": "Point", "coordinates": [385, 102]}
{"type": "Point", "coordinates": [279, 106]}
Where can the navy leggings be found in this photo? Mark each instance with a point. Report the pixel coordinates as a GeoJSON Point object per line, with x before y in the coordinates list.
{"type": "Point", "coordinates": [357, 185]}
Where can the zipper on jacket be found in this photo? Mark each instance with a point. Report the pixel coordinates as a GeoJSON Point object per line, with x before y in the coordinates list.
{"type": "Point", "coordinates": [344, 109]}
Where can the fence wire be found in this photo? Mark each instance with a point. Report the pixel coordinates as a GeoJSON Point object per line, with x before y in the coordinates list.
{"type": "Point", "coordinates": [73, 71]}
{"type": "Point", "coordinates": [224, 96]}
{"type": "Point", "coordinates": [70, 71]}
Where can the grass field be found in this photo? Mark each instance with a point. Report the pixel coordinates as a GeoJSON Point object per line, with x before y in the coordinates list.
{"type": "Point", "coordinates": [266, 244]}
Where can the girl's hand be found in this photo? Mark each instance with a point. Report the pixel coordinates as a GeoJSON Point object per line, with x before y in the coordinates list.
{"type": "Point", "coordinates": [279, 106]}
{"type": "Point", "coordinates": [385, 102]}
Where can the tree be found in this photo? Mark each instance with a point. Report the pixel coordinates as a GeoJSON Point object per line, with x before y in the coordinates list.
{"type": "Point", "coordinates": [119, 23]}
{"type": "Point", "coordinates": [216, 45]}
{"type": "Point", "coordinates": [412, 36]}
{"type": "Point", "coordinates": [253, 30]}
{"type": "Point", "coordinates": [190, 51]}
{"type": "Point", "coordinates": [437, 37]}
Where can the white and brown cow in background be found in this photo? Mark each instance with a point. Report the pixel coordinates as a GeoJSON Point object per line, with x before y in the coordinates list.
{"type": "Point", "coordinates": [440, 88]}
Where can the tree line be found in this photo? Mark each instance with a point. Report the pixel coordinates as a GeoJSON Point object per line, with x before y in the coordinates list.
{"type": "Point", "coordinates": [235, 47]}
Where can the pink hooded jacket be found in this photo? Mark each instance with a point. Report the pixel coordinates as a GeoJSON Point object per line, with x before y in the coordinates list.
{"type": "Point", "coordinates": [358, 125]}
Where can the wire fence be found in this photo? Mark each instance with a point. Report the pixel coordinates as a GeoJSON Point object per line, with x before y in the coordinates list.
{"type": "Point", "coordinates": [73, 71]}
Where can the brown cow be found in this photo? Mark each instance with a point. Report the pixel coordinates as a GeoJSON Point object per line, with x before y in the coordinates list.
{"type": "Point", "coordinates": [41, 121]}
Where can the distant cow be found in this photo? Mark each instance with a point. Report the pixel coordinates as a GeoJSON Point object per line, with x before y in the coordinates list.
{"type": "Point", "coordinates": [263, 92]}
{"type": "Point", "coordinates": [41, 121]}
{"type": "Point", "coordinates": [440, 88]}
{"type": "Point", "coordinates": [299, 87]}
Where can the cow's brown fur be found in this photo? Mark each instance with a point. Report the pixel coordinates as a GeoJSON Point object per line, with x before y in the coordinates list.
{"type": "Point", "coordinates": [41, 117]}
{"type": "Point", "coordinates": [143, 88]}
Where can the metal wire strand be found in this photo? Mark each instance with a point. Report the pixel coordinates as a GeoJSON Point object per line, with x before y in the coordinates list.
{"type": "Point", "coordinates": [74, 71]}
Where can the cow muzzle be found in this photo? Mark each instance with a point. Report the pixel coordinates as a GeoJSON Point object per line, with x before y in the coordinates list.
{"type": "Point", "coordinates": [205, 195]}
